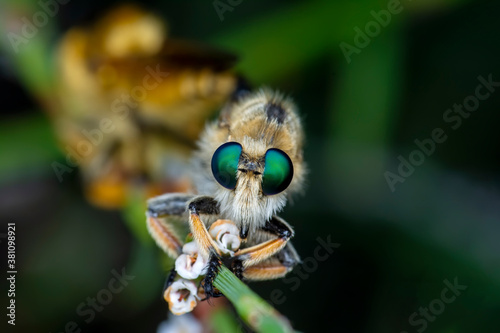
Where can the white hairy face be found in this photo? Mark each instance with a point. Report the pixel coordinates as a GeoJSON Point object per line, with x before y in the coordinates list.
{"type": "Point", "coordinates": [250, 160]}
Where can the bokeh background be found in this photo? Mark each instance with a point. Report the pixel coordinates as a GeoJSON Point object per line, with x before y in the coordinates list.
{"type": "Point", "coordinates": [396, 247]}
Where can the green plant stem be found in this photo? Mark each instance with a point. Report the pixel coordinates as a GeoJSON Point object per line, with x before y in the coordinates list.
{"type": "Point", "coordinates": [256, 312]}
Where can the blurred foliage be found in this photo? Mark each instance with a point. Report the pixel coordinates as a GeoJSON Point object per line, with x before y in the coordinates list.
{"type": "Point", "coordinates": [396, 248]}
{"type": "Point", "coordinates": [18, 135]}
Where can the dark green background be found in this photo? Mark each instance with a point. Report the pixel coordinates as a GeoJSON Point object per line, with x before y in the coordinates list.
{"type": "Point", "coordinates": [396, 248]}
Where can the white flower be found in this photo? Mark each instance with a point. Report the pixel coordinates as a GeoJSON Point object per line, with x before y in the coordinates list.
{"type": "Point", "coordinates": [190, 248]}
{"type": "Point", "coordinates": [227, 236]}
{"type": "Point", "coordinates": [186, 323]}
{"type": "Point", "coordinates": [181, 296]}
{"type": "Point", "coordinates": [190, 264]}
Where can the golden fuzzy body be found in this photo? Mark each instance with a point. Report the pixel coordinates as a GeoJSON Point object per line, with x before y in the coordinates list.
{"type": "Point", "coordinates": [248, 163]}
{"type": "Point", "coordinates": [258, 122]}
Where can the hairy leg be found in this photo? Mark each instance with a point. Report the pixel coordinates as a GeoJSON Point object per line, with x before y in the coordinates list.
{"type": "Point", "coordinates": [255, 254]}
{"type": "Point", "coordinates": [160, 208]}
{"type": "Point", "coordinates": [275, 267]}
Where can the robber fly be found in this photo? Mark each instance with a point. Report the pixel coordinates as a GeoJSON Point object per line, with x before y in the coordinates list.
{"type": "Point", "coordinates": [248, 163]}
{"type": "Point", "coordinates": [154, 92]}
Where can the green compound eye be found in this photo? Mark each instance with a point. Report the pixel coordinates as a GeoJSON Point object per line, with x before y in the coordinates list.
{"type": "Point", "coordinates": [225, 164]}
{"type": "Point", "coordinates": [278, 172]}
